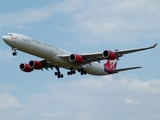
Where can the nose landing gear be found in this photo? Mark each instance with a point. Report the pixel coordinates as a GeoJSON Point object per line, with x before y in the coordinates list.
{"type": "Point", "coordinates": [14, 49]}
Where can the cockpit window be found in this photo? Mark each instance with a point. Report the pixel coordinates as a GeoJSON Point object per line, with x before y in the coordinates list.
{"type": "Point", "coordinates": [9, 34]}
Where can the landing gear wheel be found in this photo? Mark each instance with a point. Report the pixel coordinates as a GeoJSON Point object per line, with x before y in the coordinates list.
{"type": "Point", "coordinates": [14, 53]}
{"type": "Point", "coordinates": [71, 72]}
{"type": "Point", "coordinates": [74, 72]}
{"type": "Point", "coordinates": [58, 73]}
{"type": "Point", "coordinates": [58, 76]}
{"type": "Point", "coordinates": [82, 71]}
{"type": "Point", "coordinates": [79, 70]}
{"type": "Point", "coordinates": [61, 75]}
{"type": "Point", "coordinates": [68, 73]}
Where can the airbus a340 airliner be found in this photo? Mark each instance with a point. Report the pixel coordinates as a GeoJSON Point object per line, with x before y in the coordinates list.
{"type": "Point", "coordinates": [53, 57]}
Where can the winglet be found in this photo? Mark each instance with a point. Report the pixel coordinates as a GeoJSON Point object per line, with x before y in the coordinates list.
{"type": "Point", "coordinates": [154, 45]}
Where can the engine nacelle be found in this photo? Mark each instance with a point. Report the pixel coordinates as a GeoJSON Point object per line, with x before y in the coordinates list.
{"type": "Point", "coordinates": [35, 64]}
{"type": "Point", "coordinates": [76, 58]}
{"type": "Point", "coordinates": [25, 67]}
{"type": "Point", "coordinates": [109, 55]}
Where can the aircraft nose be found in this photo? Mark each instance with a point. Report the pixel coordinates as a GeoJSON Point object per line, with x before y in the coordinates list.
{"type": "Point", "coordinates": [4, 37]}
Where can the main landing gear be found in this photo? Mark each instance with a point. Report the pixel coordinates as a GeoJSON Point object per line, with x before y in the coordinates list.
{"type": "Point", "coordinates": [14, 53]}
{"type": "Point", "coordinates": [82, 71]}
{"type": "Point", "coordinates": [71, 72]}
{"type": "Point", "coordinates": [58, 73]}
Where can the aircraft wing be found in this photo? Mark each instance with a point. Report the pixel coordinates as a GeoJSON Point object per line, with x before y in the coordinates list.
{"type": "Point", "coordinates": [125, 69]}
{"type": "Point", "coordinates": [47, 64]}
{"type": "Point", "coordinates": [88, 57]}
{"type": "Point", "coordinates": [93, 57]}
{"type": "Point", "coordinates": [122, 52]}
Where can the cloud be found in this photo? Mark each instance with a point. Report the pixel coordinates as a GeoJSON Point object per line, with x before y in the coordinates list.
{"type": "Point", "coordinates": [96, 21]}
{"type": "Point", "coordinates": [151, 86]}
{"type": "Point", "coordinates": [19, 19]}
{"type": "Point", "coordinates": [6, 55]}
{"type": "Point", "coordinates": [91, 97]}
{"type": "Point", "coordinates": [132, 102]}
{"type": "Point", "coordinates": [26, 16]}
{"type": "Point", "coordinates": [88, 89]}
{"type": "Point", "coordinates": [88, 98]}
{"type": "Point", "coordinates": [8, 101]}
{"type": "Point", "coordinates": [117, 21]}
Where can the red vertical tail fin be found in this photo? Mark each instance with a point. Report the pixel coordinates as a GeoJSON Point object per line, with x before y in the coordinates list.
{"type": "Point", "coordinates": [110, 65]}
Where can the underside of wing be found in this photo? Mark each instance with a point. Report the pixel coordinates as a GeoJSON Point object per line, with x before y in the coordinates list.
{"type": "Point", "coordinates": [44, 64]}
{"type": "Point", "coordinates": [36, 65]}
{"type": "Point", "coordinates": [92, 57]}
{"type": "Point", "coordinates": [88, 58]}
{"type": "Point", "coordinates": [83, 58]}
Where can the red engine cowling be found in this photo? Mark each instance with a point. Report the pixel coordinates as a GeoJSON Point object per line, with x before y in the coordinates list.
{"type": "Point", "coordinates": [76, 58]}
{"type": "Point", "coordinates": [25, 67]}
{"type": "Point", "coordinates": [35, 64]}
{"type": "Point", "coordinates": [109, 55]}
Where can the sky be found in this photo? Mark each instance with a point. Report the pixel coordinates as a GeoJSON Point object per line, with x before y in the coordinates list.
{"type": "Point", "coordinates": [82, 26]}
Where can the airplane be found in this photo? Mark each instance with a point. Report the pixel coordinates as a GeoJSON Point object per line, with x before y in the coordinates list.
{"type": "Point", "coordinates": [54, 57]}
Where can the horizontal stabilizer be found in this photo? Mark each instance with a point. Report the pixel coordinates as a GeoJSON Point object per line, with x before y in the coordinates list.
{"type": "Point", "coordinates": [124, 69]}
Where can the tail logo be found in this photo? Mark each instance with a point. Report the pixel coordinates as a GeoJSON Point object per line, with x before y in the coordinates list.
{"type": "Point", "coordinates": [113, 64]}
{"type": "Point", "coordinates": [110, 65]}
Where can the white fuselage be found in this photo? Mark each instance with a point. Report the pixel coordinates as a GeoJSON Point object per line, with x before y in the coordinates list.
{"type": "Point", "coordinates": [49, 53]}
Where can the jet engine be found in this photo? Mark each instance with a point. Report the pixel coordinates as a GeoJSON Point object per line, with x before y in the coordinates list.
{"type": "Point", "coordinates": [35, 64]}
{"type": "Point", "coordinates": [25, 67]}
{"type": "Point", "coordinates": [76, 58]}
{"type": "Point", "coordinates": [109, 55]}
